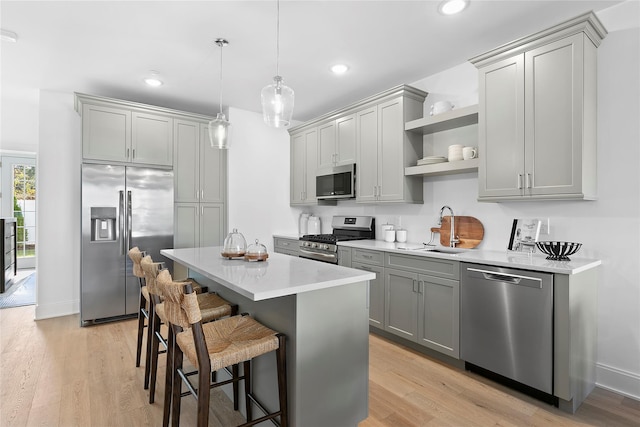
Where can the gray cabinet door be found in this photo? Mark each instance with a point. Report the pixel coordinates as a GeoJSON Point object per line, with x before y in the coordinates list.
{"type": "Point", "coordinates": [344, 257]}
{"type": "Point", "coordinates": [401, 304]}
{"type": "Point", "coordinates": [212, 224]}
{"type": "Point", "coordinates": [298, 163]}
{"type": "Point", "coordinates": [106, 133]}
{"type": "Point", "coordinates": [367, 155]}
{"type": "Point", "coordinates": [326, 144]}
{"type": "Point", "coordinates": [151, 139]}
{"type": "Point", "coordinates": [346, 140]}
{"type": "Point", "coordinates": [186, 165]}
{"type": "Point", "coordinates": [186, 225]}
{"type": "Point", "coordinates": [501, 128]}
{"type": "Point", "coordinates": [391, 151]}
{"type": "Point", "coordinates": [213, 170]}
{"type": "Point", "coordinates": [311, 165]}
{"type": "Point", "coordinates": [553, 122]}
{"type": "Point", "coordinates": [376, 294]}
{"type": "Point", "coordinates": [439, 323]}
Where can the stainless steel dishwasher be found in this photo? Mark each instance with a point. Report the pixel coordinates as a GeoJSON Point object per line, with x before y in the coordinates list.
{"type": "Point", "coordinates": [506, 324]}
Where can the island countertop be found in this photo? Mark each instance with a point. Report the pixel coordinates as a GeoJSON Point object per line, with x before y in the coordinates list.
{"type": "Point", "coordinates": [280, 275]}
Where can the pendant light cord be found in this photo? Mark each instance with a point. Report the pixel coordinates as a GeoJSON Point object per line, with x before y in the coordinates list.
{"type": "Point", "coordinates": [221, 46]}
{"type": "Point", "coordinates": [278, 38]}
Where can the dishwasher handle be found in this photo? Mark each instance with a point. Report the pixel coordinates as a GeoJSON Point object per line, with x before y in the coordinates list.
{"type": "Point", "coordinates": [514, 279]}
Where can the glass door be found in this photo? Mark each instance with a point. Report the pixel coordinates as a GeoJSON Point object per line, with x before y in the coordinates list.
{"type": "Point", "coordinates": [19, 183]}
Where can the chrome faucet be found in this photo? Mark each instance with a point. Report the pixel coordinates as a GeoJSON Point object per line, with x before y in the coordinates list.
{"type": "Point", "coordinates": [452, 236]}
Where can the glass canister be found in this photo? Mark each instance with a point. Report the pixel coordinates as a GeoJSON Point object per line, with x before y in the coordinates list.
{"type": "Point", "coordinates": [256, 252]}
{"type": "Point", "coordinates": [235, 246]}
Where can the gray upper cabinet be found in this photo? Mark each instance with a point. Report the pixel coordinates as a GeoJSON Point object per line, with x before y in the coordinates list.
{"type": "Point", "coordinates": [337, 142]}
{"type": "Point", "coordinates": [151, 139]}
{"type": "Point", "coordinates": [304, 163]}
{"type": "Point", "coordinates": [369, 133]}
{"type": "Point", "coordinates": [537, 115]}
{"type": "Point", "coordinates": [125, 132]}
{"type": "Point", "coordinates": [384, 149]}
{"type": "Point", "coordinates": [200, 170]}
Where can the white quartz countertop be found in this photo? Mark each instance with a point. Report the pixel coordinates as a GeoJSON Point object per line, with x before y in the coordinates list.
{"type": "Point", "coordinates": [280, 275]}
{"type": "Point", "coordinates": [537, 261]}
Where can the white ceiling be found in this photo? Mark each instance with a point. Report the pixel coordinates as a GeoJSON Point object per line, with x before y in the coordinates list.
{"type": "Point", "coordinates": [108, 47]}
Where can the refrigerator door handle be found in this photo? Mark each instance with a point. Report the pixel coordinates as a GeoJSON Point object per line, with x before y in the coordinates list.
{"type": "Point", "coordinates": [128, 220]}
{"type": "Point", "coordinates": [121, 221]}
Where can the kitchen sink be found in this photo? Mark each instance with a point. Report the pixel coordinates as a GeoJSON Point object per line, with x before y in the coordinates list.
{"type": "Point", "coordinates": [445, 250]}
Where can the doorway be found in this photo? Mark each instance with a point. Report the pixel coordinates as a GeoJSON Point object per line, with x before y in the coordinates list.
{"type": "Point", "coordinates": [19, 200]}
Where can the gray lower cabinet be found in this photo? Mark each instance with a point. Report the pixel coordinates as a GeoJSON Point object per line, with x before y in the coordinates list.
{"type": "Point", "coordinates": [373, 261]}
{"type": "Point", "coordinates": [286, 246]}
{"type": "Point", "coordinates": [422, 301]}
{"type": "Point", "coordinates": [344, 257]}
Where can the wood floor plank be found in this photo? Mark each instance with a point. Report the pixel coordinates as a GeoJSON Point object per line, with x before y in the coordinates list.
{"type": "Point", "coordinates": [55, 373]}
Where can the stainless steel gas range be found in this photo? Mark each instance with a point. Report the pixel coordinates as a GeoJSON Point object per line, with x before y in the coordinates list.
{"type": "Point", "coordinates": [324, 247]}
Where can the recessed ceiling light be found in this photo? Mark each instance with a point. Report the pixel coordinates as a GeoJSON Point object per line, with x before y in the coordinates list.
{"type": "Point", "coordinates": [451, 7]}
{"type": "Point", "coordinates": [8, 36]}
{"type": "Point", "coordinates": [153, 80]}
{"type": "Point", "coordinates": [339, 69]}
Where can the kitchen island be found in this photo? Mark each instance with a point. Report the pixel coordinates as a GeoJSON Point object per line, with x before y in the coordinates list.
{"type": "Point", "coordinates": [324, 311]}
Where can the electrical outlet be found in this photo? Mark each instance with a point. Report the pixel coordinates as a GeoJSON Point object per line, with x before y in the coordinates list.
{"type": "Point", "coordinates": [545, 226]}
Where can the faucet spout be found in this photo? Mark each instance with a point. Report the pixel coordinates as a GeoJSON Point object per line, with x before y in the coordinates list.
{"type": "Point", "coordinates": [452, 237]}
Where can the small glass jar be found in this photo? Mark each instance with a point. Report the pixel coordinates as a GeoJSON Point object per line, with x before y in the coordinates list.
{"type": "Point", "coordinates": [235, 246]}
{"type": "Point", "coordinates": [256, 252]}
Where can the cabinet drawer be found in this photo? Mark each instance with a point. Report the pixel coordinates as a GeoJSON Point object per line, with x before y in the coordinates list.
{"type": "Point", "coordinates": [368, 257]}
{"type": "Point", "coordinates": [432, 266]}
{"type": "Point", "coordinates": [287, 252]}
{"type": "Point", "coordinates": [286, 244]}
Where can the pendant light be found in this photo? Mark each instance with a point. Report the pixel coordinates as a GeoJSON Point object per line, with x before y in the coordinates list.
{"type": "Point", "coordinates": [277, 99]}
{"type": "Point", "coordinates": [219, 127]}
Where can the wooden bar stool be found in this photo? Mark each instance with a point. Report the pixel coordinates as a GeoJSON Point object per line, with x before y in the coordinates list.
{"type": "Point", "coordinates": [212, 306]}
{"type": "Point", "coordinates": [214, 346]}
{"type": "Point", "coordinates": [136, 256]}
{"type": "Point", "coordinates": [146, 308]}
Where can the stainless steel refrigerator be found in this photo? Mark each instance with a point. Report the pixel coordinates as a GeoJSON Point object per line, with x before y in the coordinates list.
{"type": "Point", "coordinates": [122, 207]}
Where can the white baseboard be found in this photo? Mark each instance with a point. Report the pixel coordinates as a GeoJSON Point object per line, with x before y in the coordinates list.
{"type": "Point", "coordinates": [619, 381]}
{"type": "Point", "coordinates": [57, 309]}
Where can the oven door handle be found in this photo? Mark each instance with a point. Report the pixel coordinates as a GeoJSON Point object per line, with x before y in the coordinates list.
{"type": "Point", "coordinates": [302, 251]}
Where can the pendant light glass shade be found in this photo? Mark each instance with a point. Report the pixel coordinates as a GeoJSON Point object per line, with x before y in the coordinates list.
{"type": "Point", "coordinates": [219, 127]}
{"type": "Point", "coordinates": [219, 131]}
{"type": "Point", "coordinates": [277, 99]}
{"type": "Point", "coordinates": [277, 103]}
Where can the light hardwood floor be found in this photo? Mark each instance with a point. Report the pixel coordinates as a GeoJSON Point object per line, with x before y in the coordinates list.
{"type": "Point", "coordinates": [54, 373]}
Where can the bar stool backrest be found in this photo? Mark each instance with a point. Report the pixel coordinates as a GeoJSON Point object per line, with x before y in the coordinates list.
{"type": "Point", "coordinates": [181, 308]}
{"type": "Point", "coordinates": [136, 256]}
{"type": "Point", "coordinates": [150, 270]}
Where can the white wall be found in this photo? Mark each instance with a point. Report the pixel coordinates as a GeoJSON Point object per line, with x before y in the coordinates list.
{"type": "Point", "coordinates": [259, 193]}
{"type": "Point", "coordinates": [58, 216]}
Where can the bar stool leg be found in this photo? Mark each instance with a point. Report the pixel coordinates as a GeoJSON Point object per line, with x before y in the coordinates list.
{"type": "Point", "coordinates": [150, 328]}
{"type": "Point", "coordinates": [155, 345]}
{"type": "Point", "coordinates": [141, 317]}
{"type": "Point", "coordinates": [282, 380]}
{"type": "Point", "coordinates": [168, 383]}
{"type": "Point", "coordinates": [247, 389]}
{"type": "Point", "coordinates": [176, 387]}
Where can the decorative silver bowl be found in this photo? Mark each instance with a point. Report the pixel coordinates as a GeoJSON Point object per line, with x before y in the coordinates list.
{"type": "Point", "coordinates": [558, 251]}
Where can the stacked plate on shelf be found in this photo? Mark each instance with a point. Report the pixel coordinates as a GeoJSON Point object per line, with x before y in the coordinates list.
{"type": "Point", "coordinates": [429, 160]}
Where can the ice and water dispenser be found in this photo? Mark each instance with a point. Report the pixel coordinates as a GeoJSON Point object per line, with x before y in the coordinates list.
{"type": "Point", "coordinates": [103, 224]}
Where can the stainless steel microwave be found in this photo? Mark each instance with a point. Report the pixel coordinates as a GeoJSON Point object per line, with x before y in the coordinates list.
{"type": "Point", "coordinates": [338, 182]}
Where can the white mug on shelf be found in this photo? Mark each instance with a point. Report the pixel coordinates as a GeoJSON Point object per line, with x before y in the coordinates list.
{"type": "Point", "coordinates": [454, 153]}
{"type": "Point", "coordinates": [469, 153]}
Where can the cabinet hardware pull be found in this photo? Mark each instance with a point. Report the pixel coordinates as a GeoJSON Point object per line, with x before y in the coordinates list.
{"type": "Point", "coordinates": [421, 286]}
{"type": "Point", "coordinates": [414, 285]}
{"type": "Point", "coordinates": [127, 154]}
{"type": "Point", "coordinates": [519, 181]}
{"type": "Point", "coordinates": [202, 194]}
{"type": "Point", "coordinates": [133, 154]}
{"type": "Point", "coordinates": [528, 180]}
